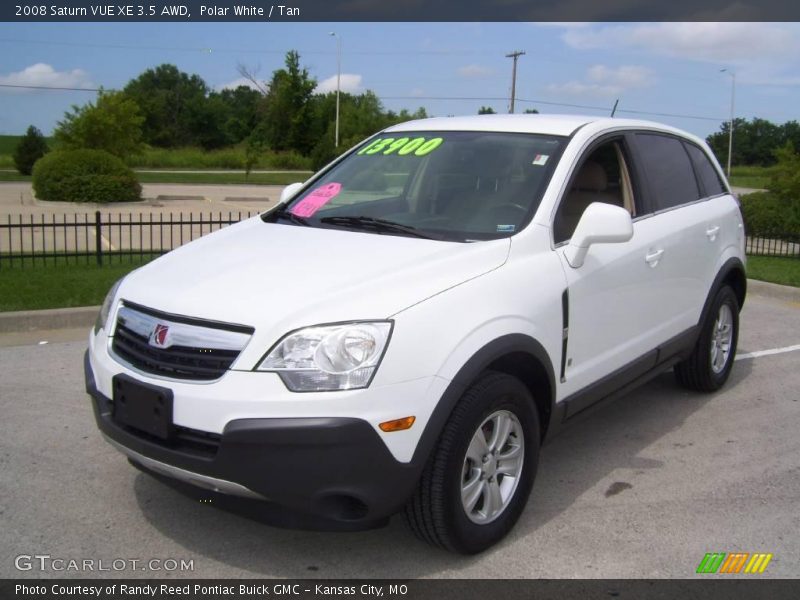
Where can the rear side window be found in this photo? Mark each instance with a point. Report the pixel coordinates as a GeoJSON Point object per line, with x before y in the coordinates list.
{"type": "Point", "coordinates": [709, 178]}
{"type": "Point", "coordinates": [668, 170]}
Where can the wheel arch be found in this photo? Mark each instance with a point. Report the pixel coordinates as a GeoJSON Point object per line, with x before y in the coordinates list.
{"type": "Point", "coordinates": [731, 273]}
{"type": "Point", "coordinates": [518, 355]}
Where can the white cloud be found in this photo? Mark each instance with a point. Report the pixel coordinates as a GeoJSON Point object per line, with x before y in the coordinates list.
{"type": "Point", "coordinates": [349, 82]}
{"type": "Point", "coordinates": [711, 42]}
{"type": "Point", "coordinates": [44, 75]}
{"type": "Point", "coordinates": [626, 76]}
{"type": "Point", "coordinates": [471, 71]}
{"type": "Point", "coordinates": [605, 81]}
{"type": "Point", "coordinates": [579, 88]}
{"type": "Point", "coordinates": [232, 85]}
{"type": "Point", "coordinates": [759, 53]}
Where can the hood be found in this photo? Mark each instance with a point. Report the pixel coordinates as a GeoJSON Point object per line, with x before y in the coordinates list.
{"type": "Point", "coordinates": [269, 276]}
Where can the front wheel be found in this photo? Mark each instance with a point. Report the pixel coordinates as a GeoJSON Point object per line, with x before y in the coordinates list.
{"type": "Point", "coordinates": [710, 363]}
{"type": "Point", "coordinates": [479, 476]}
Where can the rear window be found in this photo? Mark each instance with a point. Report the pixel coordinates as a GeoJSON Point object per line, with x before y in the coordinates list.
{"type": "Point", "coordinates": [667, 169]}
{"type": "Point", "coordinates": [708, 175]}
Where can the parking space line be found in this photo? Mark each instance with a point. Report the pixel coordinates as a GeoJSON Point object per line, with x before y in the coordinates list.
{"type": "Point", "coordinates": [770, 352]}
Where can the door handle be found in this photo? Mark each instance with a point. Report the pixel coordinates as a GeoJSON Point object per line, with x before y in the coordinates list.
{"type": "Point", "coordinates": [712, 232]}
{"type": "Point", "coordinates": [652, 258]}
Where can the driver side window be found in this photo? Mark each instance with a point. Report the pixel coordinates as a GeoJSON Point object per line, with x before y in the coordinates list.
{"type": "Point", "coordinates": [603, 176]}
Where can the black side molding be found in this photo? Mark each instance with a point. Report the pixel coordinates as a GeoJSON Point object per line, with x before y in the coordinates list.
{"type": "Point", "coordinates": [632, 375]}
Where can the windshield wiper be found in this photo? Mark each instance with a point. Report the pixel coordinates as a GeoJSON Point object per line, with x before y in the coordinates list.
{"type": "Point", "coordinates": [377, 225]}
{"type": "Point", "coordinates": [289, 216]}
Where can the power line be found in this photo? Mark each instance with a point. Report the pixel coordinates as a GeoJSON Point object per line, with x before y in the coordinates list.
{"type": "Point", "coordinates": [211, 50]}
{"type": "Point", "coordinates": [53, 87]}
{"type": "Point", "coordinates": [550, 103]}
{"type": "Point", "coordinates": [467, 98]}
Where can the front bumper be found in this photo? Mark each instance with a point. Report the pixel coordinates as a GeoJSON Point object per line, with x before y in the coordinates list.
{"type": "Point", "coordinates": [336, 468]}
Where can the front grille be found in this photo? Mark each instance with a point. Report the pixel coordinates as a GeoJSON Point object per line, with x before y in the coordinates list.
{"type": "Point", "coordinates": [198, 362]}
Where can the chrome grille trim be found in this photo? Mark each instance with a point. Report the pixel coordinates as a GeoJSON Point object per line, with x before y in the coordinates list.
{"type": "Point", "coordinates": [182, 334]}
{"type": "Point", "coordinates": [190, 349]}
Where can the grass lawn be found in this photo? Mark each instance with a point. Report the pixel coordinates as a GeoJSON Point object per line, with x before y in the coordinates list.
{"type": "Point", "coordinates": [200, 178]}
{"type": "Point", "coordinates": [223, 178]}
{"type": "Point", "coordinates": [65, 285]}
{"type": "Point", "coordinates": [750, 177]}
{"type": "Point", "coordinates": [60, 286]}
{"type": "Point", "coordinates": [785, 271]}
{"type": "Point", "coordinates": [13, 176]}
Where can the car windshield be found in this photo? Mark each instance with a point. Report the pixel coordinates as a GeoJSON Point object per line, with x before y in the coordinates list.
{"type": "Point", "coordinates": [459, 186]}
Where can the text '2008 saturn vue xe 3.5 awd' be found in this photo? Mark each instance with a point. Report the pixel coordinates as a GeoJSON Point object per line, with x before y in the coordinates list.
{"type": "Point", "coordinates": [403, 330]}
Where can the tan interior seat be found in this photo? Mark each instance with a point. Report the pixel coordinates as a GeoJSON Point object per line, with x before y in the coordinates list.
{"type": "Point", "coordinates": [590, 185]}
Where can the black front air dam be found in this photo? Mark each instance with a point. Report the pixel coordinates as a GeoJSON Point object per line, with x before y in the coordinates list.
{"type": "Point", "coordinates": [332, 468]}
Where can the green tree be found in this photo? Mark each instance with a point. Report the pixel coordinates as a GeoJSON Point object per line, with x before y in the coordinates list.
{"type": "Point", "coordinates": [754, 141]}
{"type": "Point", "coordinates": [242, 111]}
{"type": "Point", "coordinates": [486, 110]}
{"type": "Point", "coordinates": [113, 124]}
{"type": "Point", "coordinates": [173, 105]}
{"type": "Point", "coordinates": [530, 111]}
{"type": "Point", "coordinates": [288, 114]}
{"type": "Point", "coordinates": [30, 148]}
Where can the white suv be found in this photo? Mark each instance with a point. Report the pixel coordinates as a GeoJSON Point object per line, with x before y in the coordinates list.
{"type": "Point", "coordinates": [403, 330]}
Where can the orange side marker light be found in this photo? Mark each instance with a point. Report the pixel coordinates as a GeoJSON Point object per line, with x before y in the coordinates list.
{"type": "Point", "coordinates": [397, 424]}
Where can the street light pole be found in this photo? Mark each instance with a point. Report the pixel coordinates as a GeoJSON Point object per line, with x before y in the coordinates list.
{"type": "Point", "coordinates": [730, 127]}
{"type": "Point", "coordinates": [338, 82]}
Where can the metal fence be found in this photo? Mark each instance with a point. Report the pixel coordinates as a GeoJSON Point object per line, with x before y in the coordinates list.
{"type": "Point", "coordinates": [27, 241]}
{"type": "Point", "coordinates": [775, 245]}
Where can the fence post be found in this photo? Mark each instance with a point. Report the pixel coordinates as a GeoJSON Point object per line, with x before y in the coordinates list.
{"type": "Point", "coordinates": [98, 245]}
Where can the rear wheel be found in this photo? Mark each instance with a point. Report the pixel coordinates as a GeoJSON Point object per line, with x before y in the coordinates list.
{"type": "Point", "coordinates": [710, 363]}
{"type": "Point", "coordinates": [479, 476]}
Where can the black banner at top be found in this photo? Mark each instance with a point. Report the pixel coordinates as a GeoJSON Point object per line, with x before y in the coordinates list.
{"type": "Point", "coordinates": [398, 10]}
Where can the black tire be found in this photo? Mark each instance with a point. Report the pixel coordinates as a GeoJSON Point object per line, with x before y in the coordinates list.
{"type": "Point", "coordinates": [436, 513]}
{"type": "Point", "coordinates": [698, 372]}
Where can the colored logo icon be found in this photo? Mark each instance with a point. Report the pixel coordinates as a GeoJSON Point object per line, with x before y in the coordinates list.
{"type": "Point", "coordinates": [734, 562]}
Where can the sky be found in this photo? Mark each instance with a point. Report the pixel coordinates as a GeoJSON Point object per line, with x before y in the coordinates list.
{"type": "Point", "coordinates": [669, 72]}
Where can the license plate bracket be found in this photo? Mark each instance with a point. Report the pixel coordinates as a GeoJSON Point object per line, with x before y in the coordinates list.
{"type": "Point", "coordinates": [143, 406]}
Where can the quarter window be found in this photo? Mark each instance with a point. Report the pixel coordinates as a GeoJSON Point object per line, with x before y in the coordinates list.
{"type": "Point", "coordinates": [668, 170]}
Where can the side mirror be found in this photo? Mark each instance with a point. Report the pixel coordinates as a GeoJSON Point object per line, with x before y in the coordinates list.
{"type": "Point", "coordinates": [289, 191]}
{"type": "Point", "coordinates": [600, 223]}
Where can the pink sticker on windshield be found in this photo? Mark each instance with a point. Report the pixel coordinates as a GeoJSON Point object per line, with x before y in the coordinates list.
{"type": "Point", "coordinates": [316, 200]}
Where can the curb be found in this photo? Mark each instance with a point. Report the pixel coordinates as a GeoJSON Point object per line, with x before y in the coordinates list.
{"type": "Point", "coordinates": [773, 290]}
{"type": "Point", "coordinates": [55, 318]}
{"type": "Point", "coordinates": [84, 316]}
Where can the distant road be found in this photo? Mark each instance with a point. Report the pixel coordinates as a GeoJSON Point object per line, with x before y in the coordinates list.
{"type": "Point", "coordinates": [197, 171]}
{"type": "Point", "coordinates": [741, 191]}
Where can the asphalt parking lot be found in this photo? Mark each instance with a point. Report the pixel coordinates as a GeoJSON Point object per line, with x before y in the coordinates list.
{"type": "Point", "coordinates": [641, 488]}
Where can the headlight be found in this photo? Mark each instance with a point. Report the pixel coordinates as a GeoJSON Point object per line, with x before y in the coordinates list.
{"type": "Point", "coordinates": [105, 309]}
{"type": "Point", "coordinates": [329, 357]}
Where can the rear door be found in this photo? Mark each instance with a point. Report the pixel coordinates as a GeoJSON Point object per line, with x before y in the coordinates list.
{"type": "Point", "coordinates": [685, 227]}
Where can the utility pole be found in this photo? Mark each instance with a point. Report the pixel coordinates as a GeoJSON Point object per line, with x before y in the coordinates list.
{"type": "Point", "coordinates": [515, 55]}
